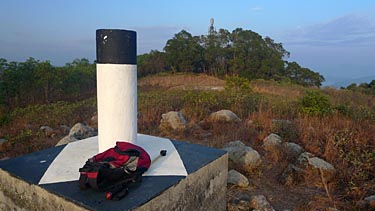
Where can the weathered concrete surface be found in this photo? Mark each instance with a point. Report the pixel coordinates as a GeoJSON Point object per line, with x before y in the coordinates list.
{"type": "Point", "coordinates": [204, 189]}
{"type": "Point", "coordinates": [16, 194]}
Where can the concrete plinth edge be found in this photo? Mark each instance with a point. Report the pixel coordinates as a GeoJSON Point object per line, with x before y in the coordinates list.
{"type": "Point", "coordinates": [16, 194]}
{"type": "Point", "coordinates": [204, 189]}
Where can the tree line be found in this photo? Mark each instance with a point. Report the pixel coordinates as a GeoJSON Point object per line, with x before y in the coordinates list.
{"type": "Point", "coordinates": [366, 88]}
{"type": "Point", "coordinates": [241, 53]}
{"type": "Point", "coordinates": [38, 82]}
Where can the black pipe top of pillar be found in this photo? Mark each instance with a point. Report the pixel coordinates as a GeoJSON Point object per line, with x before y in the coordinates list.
{"type": "Point", "coordinates": [115, 46]}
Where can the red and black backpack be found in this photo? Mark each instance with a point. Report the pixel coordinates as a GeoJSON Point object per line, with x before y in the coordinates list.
{"type": "Point", "coordinates": [115, 169]}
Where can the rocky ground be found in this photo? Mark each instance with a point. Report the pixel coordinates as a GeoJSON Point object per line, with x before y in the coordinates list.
{"type": "Point", "coordinates": [269, 175]}
{"type": "Point", "coordinates": [269, 169]}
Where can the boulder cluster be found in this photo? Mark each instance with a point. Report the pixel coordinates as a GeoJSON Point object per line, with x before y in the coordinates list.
{"type": "Point", "coordinates": [299, 166]}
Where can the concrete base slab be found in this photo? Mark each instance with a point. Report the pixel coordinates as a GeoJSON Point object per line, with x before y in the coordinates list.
{"type": "Point", "coordinates": [204, 187]}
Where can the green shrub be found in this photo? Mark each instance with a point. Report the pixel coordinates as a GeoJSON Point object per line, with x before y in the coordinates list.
{"type": "Point", "coordinates": [237, 83]}
{"type": "Point", "coordinates": [55, 114]}
{"type": "Point", "coordinates": [200, 103]}
{"type": "Point", "coordinates": [343, 109]}
{"type": "Point", "coordinates": [286, 129]}
{"type": "Point", "coordinates": [241, 103]}
{"type": "Point", "coordinates": [315, 103]}
{"type": "Point", "coordinates": [355, 154]}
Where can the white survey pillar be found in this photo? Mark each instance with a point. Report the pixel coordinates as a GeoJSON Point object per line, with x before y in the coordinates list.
{"type": "Point", "coordinates": [116, 57]}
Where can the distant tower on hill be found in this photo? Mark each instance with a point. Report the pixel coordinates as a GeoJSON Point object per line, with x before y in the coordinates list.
{"type": "Point", "coordinates": [211, 29]}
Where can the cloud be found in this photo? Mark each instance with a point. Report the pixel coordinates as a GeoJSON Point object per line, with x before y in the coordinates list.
{"type": "Point", "coordinates": [256, 8]}
{"type": "Point", "coordinates": [344, 31]}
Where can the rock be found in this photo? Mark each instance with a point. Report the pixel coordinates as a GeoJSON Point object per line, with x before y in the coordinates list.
{"type": "Point", "coordinates": [239, 201]}
{"type": "Point", "coordinates": [64, 129]}
{"type": "Point", "coordinates": [80, 131]}
{"type": "Point", "coordinates": [94, 120]}
{"type": "Point", "coordinates": [66, 140]}
{"type": "Point", "coordinates": [272, 143]}
{"type": "Point", "coordinates": [308, 168]}
{"type": "Point", "coordinates": [318, 163]}
{"type": "Point", "coordinates": [2, 140]}
{"type": "Point", "coordinates": [303, 159]}
{"type": "Point", "coordinates": [199, 132]}
{"type": "Point", "coordinates": [223, 116]}
{"type": "Point", "coordinates": [172, 120]}
{"type": "Point", "coordinates": [239, 205]}
{"type": "Point", "coordinates": [236, 178]}
{"type": "Point", "coordinates": [250, 123]}
{"type": "Point", "coordinates": [260, 203]}
{"type": "Point", "coordinates": [291, 175]}
{"type": "Point", "coordinates": [243, 155]}
{"type": "Point", "coordinates": [48, 131]}
{"type": "Point", "coordinates": [237, 143]}
{"type": "Point", "coordinates": [309, 162]}
{"type": "Point", "coordinates": [292, 150]}
{"type": "Point", "coordinates": [370, 201]}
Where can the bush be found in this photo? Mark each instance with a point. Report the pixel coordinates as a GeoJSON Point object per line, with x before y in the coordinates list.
{"type": "Point", "coordinates": [200, 104]}
{"type": "Point", "coordinates": [55, 114]}
{"type": "Point", "coordinates": [356, 155]}
{"type": "Point", "coordinates": [315, 103]}
{"type": "Point", "coordinates": [236, 83]}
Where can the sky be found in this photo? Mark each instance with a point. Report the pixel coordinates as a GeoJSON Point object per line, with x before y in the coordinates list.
{"type": "Point", "coordinates": [335, 38]}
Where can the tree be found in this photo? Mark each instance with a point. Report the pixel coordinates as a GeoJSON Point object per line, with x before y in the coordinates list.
{"type": "Point", "coordinates": [241, 53]}
{"type": "Point", "coordinates": [183, 52]}
{"type": "Point", "coordinates": [303, 76]}
{"type": "Point", "coordinates": [44, 73]}
{"type": "Point", "coordinates": [151, 63]}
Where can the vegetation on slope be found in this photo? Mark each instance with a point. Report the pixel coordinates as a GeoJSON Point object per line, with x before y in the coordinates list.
{"type": "Point", "coordinates": [241, 52]}
{"type": "Point", "coordinates": [325, 122]}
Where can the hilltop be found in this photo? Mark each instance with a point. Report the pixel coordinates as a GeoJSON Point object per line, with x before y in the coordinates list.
{"type": "Point", "coordinates": [334, 125]}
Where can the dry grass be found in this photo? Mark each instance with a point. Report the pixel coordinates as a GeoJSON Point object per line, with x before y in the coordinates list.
{"type": "Point", "coordinates": [181, 81]}
{"type": "Point", "coordinates": [345, 139]}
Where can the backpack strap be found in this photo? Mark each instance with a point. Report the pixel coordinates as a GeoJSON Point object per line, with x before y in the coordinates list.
{"type": "Point", "coordinates": [130, 152]}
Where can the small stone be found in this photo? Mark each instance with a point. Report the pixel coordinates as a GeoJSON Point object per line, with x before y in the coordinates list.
{"type": "Point", "coordinates": [321, 164]}
{"type": "Point", "coordinates": [237, 143]}
{"type": "Point", "coordinates": [291, 175]}
{"type": "Point", "coordinates": [260, 203]}
{"type": "Point", "coordinates": [243, 155]}
{"type": "Point", "coordinates": [80, 131]}
{"type": "Point", "coordinates": [64, 129]}
{"type": "Point", "coordinates": [236, 178]}
{"type": "Point", "coordinates": [66, 140]}
{"type": "Point", "coordinates": [94, 120]}
{"type": "Point", "coordinates": [292, 150]}
{"type": "Point", "coordinates": [303, 158]}
{"type": "Point", "coordinates": [315, 168]}
{"type": "Point", "coordinates": [48, 131]}
{"type": "Point", "coordinates": [371, 201]}
{"type": "Point", "coordinates": [250, 123]}
{"type": "Point", "coordinates": [223, 116]}
{"type": "Point", "coordinates": [2, 140]}
{"type": "Point", "coordinates": [172, 120]}
{"type": "Point", "coordinates": [272, 143]}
